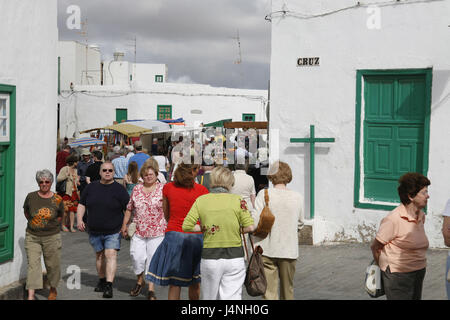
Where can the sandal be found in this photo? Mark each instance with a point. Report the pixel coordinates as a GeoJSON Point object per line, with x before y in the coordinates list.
{"type": "Point", "coordinates": [65, 229]}
{"type": "Point", "coordinates": [73, 230]}
{"type": "Point", "coordinates": [137, 289]}
{"type": "Point", "coordinates": [151, 295]}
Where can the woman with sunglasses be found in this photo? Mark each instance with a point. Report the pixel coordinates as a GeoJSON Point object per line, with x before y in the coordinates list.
{"type": "Point", "coordinates": [43, 209]}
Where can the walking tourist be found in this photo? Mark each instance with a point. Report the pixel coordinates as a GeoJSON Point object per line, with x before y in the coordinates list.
{"type": "Point", "coordinates": [146, 206]}
{"type": "Point", "coordinates": [44, 210]}
{"type": "Point", "coordinates": [280, 247]}
{"type": "Point", "coordinates": [105, 201]}
{"type": "Point", "coordinates": [140, 156]}
{"type": "Point", "coordinates": [82, 166]}
{"type": "Point", "coordinates": [176, 262]}
{"type": "Point", "coordinates": [131, 179]}
{"type": "Point", "coordinates": [400, 246]}
{"type": "Point", "coordinates": [71, 195]}
{"type": "Point", "coordinates": [222, 215]}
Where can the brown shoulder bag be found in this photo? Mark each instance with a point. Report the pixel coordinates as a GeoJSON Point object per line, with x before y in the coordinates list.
{"type": "Point", "coordinates": [266, 219]}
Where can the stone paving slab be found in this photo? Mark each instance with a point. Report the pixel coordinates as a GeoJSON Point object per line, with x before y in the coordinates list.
{"type": "Point", "coordinates": [326, 272]}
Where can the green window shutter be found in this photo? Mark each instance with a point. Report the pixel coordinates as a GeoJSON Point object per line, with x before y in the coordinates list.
{"type": "Point", "coordinates": [164, 112]}
{"type": "Point", "coordinates": [121, 114]}
{"type": "Point", "coordinates": [7, 170]}
{"type": "Point", "coordinates": [159, 78]}
{"type": "Point", "coordinates": [248, 117]}
{"type": "Point", "coordinates": [395, 131]}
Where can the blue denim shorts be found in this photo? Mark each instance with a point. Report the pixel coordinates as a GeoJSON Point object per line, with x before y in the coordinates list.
{"type": "Point", "coordinates": [108, 241]}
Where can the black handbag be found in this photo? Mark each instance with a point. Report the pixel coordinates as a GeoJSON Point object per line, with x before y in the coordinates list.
{"type": "Point", "coordinates": [61, 187]}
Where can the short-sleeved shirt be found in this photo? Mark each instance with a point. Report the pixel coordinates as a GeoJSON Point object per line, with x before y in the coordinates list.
{"type": "Point", "coordinates": [222, 215]}
{"type": "Point", "coordinates": [43, 213]}
{"type": "Point", "coordinates": [244, 185]}
{"type": "Point", "coordinates": [446, 212]}
{"type": "Point", "coordinates": [148, 211]}
{"type": "Point", "coordinates": [405, 241]}
{"type": "Point", "coordinates": [180, 202]}
{"type": "Point", "coordinates": [105, 205]}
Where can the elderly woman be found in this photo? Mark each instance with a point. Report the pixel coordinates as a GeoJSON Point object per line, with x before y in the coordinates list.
{"type": "Point", "coordinates": [401, 244]}
{"type": "Point", "coordinates": [69, 173]}
{"type": "Point", "coordinates": [176, 262]}
{"type": "Point", "coordinates": [281, 245]}
{"type": "Point", "coordinates": [146, 202]}
{"type": "Point", "coordinates": [222, 215]}
{"type": "Point", "coordinates": [43, 209]}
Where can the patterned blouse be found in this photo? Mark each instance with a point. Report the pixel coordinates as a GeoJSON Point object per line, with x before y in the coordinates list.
{"type": "Point", "coordinates": [148, 211]}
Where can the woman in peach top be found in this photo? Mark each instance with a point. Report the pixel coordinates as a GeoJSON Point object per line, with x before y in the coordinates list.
{"type": "Point", "coordinates": [401, 244]}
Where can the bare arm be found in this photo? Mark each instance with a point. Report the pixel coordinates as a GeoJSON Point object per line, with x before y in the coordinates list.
{"type": "Point", "coordinates": [249, 229]}
{"type": "Point", "coordinates": [376, 248]}
{"type": "Point", "coordinates": [252, 199]}
{"type": "Point", "coordinates": [446, 231]}
{"type": "Point", "coordinates": [126, 219]}
{"type": "Point", "coordinates": [80, 213]}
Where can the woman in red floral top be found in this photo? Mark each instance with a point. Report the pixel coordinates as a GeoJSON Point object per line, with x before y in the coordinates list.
{"type": "Point", "coordinates": [146, 202]}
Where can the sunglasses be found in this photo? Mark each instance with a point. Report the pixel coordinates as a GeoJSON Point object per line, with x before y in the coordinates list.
{"type": "Point", "coordinates": [109, 170]}
{"type": "Point", "coordinates": [45, 182]}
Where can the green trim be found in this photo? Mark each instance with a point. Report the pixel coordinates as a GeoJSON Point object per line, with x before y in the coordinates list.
{"type": "Point", "coordinates": [158, 108]}
{"type": "Point", "coordinates": [7, 181]}
{"type": "Point", "coordinates": [159, 78]}
{"type": "Point", "coordinates": [251, 115]}
{"type": "Point", "coordinates": [360, 74]}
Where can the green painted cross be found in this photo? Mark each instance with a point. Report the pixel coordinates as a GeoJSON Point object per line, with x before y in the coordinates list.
{"type": "Point", "coordinates": [312, 141]}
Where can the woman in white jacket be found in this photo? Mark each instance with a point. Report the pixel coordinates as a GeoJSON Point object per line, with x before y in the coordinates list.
{"type": "Point", "coordinates": [281, 245]}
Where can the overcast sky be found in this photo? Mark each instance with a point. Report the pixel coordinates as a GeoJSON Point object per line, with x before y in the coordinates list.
{"type": "Point", "coordinates": [194, 38]}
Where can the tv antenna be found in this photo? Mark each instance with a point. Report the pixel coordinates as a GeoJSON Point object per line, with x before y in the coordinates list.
{"type": "Point", "coordinates": [238, 39]}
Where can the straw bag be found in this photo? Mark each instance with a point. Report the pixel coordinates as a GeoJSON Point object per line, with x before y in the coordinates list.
{"type": "Point", "coordinates": [255, 279]}
{"type": "Point", "coordinates": [266, 219]}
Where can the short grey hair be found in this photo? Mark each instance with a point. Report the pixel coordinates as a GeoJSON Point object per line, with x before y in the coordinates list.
{"type": "Point", "coordinates": [44, 174]}
{"type": "Point", "coordinates": [222, 177]}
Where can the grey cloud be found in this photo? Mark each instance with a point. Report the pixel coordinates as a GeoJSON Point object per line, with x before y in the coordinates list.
{"type": "Point", "coordinates": [190, 36]}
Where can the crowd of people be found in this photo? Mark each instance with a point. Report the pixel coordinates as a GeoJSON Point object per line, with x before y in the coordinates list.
{"type": "Point", "coordinates": [187, 222]}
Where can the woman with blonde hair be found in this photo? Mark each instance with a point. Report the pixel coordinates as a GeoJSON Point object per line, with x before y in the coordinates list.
{"type": "Point", "coordinates": [146, 203]}
{"type": "Point", "coordinates": [281, 245]}
{"type": "Point", "coordinates": [222, 214]}
{"type": "Point", "coordinates": [176, 262]}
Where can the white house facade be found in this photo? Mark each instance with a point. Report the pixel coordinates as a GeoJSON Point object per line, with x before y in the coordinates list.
{"type": "Point", "coordinates": [88, 107]}
{"type": "Point", "coordinates": [373, 76]}
{"type": "Point", "coordinates": [28, 98]}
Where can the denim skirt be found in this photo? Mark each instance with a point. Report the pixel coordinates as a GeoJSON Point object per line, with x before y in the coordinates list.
{"type": "Point", "coordinates": [177, 260]}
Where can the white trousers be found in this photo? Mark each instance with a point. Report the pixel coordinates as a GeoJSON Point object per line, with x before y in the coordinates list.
{"type": "Point", "coordinates": [222, 279]}
{"type": "Point", "coordinates": [142, 251]}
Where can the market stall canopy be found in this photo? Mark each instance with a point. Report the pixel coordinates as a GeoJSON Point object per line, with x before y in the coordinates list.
{"type": "Point", "coordinates": [85, 142]}
{"type": "Point", "coordinates": [135, 128]}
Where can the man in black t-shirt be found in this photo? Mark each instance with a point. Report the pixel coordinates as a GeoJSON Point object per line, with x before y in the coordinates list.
{"type": "Point", "coordinates": [105, 200]}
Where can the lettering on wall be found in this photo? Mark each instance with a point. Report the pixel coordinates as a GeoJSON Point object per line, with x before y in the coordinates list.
{"type": "Point", "coordinates": [308, 62]}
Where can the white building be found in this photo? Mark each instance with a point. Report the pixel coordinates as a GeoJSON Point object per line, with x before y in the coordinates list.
{"type": "Point", "coordinates": [132, 91]}
{"type": "Point", "coordinates": [28, 97]}
{"type": "Point", "coordinates": [375, 77]}
{"type": "Point", "coordinates": [78, 64]}
{"type": "Point", "coordinates": [88, 107]}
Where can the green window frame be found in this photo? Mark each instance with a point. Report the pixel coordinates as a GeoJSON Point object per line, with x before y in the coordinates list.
{"type": "Point", "coordinates": [7, 176]}
{"type": "Point", "coordinates": [417, 123]}
{"type": "Point", "coordinates": [159, 78]}
{"type": "Point", "coordinates": [121, 114]}
{"type": "Point", "coordinates": [164, 112]}
{"type": "Point", "coordinates": [248, 117]}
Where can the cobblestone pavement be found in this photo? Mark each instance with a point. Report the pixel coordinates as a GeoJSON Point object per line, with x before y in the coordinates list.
{"type": "Point", "coordinates": [327, 272]}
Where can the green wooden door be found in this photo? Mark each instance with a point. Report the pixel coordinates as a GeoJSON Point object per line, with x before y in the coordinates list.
{"type": "Point", "coordinates": [394, 136]}
{"type": "Point", "coordinates": [7, 171]}
{"type": "Point", "coordinates": [121, 115]}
